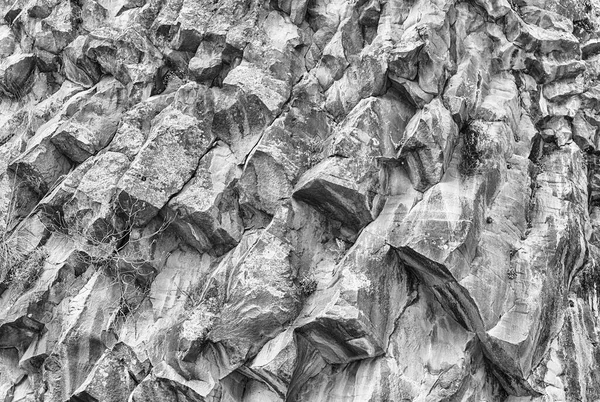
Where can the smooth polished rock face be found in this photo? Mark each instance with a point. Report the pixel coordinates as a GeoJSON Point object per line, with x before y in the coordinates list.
{"type": "Point", "coordinates": [304, 201]}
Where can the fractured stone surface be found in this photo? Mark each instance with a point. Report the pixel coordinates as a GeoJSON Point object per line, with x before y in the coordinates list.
{"type": "Point", "coordinates": [250, 201]}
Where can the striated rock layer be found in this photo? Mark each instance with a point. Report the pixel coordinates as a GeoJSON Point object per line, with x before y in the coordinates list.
{"type": "Point", "coordinates": [299, 200]}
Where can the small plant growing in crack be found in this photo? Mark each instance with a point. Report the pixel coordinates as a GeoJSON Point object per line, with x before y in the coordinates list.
{"type": "Point", "coordinates": [26, 271]}
{"type": "Point", "coordinates": [513, 251]}
{"type": "Point", "coordinates": [340, 251]}
{"type": "Point", "coordinates": [314, 152]}
{"type": "Point", "coordinates": [470, 157]}
{"type": "Point", "coordinates": [307, 285]}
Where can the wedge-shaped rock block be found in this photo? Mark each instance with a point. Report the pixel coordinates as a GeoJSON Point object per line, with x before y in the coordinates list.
{"type": "Point", "coordinates": [365, 77]}
{"type": "Point", "coordinates": [428, 144]}
{"type": "Point", "coordinates": [535, 39]}
{"type": "Point", "coordinates": [57, 30]}
{"type": "Point", "coordinates": [343, 338]}
{"type": "Point", "coordinates": [557, 129]}
{"type": "Point", "coordinates": [79, 68]}
{"type": "Point", "coordinates": [14, 125]}
{"type": "Point", "coordinates": [495, 8]}
{"type": "Point", "coordinates": [125, 54]}
{"type": "Point", "coordinates": [19, 333]}
{"type": "Point", "coordinates": [7, 41]}
{"type": "Point", "coordinates": [275, 362]}
{"type": "Point", "coordinates": [16, 74]}
{"type": "Point", "coordinates": [262, 299]}
{"type": "Point", "coordinates": [403, 58]}
{"type": "Point", "coordinates": [344, 186]}
{"type": "Point", "coordinates": [10, 371]}
{"type": "Point", "coordinates": [464, 89]}
{"type": "Point", "coordinates": [510, 326]}
{"type": "Point", "coordinates": [430, 352]}
{"type": "Point", "coordinates": [271, 92]}
{"type": "Point", "coordinates": [251, 298]}
{"type": "Point", "coordinates": [353, 318]}
{"type": "Point", "coordinates": [189, 22]}
{"type": "Point", "coordinates": [288, 147]}
{"type": "Point", "coordinates": [547, 69]}
{"type": "Point", "coordinates": [81, 329]}
{"type": "Point", "coordinates": [114, 376]}
{"type": "Point", "coordinates": [207, 63]}
{"type": "Point", "coordinates": [239, 119]}
{"type": "Point", "coordinates": [207, 209]}
{"type": "Point", "coordinates": [584, 133]}
{"type": "Point", "coordinates": [546, 19]}
{"type": "Point", "coordinates": [93, 126]}
{"type": "Point", "coordinates": [346, 43]}
{"type": "Point", "coordinates": [40, 166]}
{"type": "Point", "coordinates": [338, 190]}
{"type": "Point", "coordinates": [561, 90]}
{"type": "Point", "coordinates": [162, 389]}
{"type": "Point", "coordinates": [571, 9]}
{"type": "Point", "coordinates": [22, 320]}
{"type": "Point", "coordinates": [165, 163]}
{"type": "Point", "coordinates": [378, 122]}
{"type": "Point", "coordinates": [264, 183]}
{"type": "Point", "coordinates": [61, 102]}
{"type": "Point", "coordinates": [135, 125]}
{"type": "Point", "coordinates": [88, 205]}
{"type": "Point", "coordinates": [501, 104]}
{"type": "Point", "coordinates": [434, 59]}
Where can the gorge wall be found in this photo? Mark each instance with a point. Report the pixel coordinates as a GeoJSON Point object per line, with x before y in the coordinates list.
{"type": "Point", "coordinates": [299, 200]}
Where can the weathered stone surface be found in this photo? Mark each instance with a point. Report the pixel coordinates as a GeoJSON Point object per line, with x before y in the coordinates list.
{"type": "Point", "coordinates": [289, 147]}
{"type": "Point", "coordinates": [362, 79]}
{"type": "Point", "coordinates": [562, 89]}
{"type": "Point", "coordinates": [41, 165]}
{"type": "Point", "coordinates": [546, 19]}
{"type": "Point", "coordinates": [7, 41]}
{"type": "Point", "coordinates": [125, 54]}
{"type": "Point", "coordinates": [16, 74]}
{"type": "Point", "coordinates": [427, 144]}
{"type": "Point", "coordinates": [344, 323]}
{"type": "Point", "coordinates": [533, 38]}
{"type": "Point", "coordinates": [207, 209]}
{"type": "Point", "coordinates": [56, 31]}
{"type": "Point", "coordinates": [88, 206]}
{"type": "Point", "coordinates": [239, 119]}
{"type": "Point", "coordinates": [156, 389]}
{"type": "Point", "coordinates": [547, 70]}
{"type": "Point", "coordinates": [135, 125]}
{"type": "Point", "coordinates": [149, 184]}
{"type": "Point", "coordinates": [78, 67]}
{"type": "Point", "coordinates": [92, 127]}
{"type": "Point", "coordinates": [207, 63]}
{"type": "Point", "coordinates": [116, 374]}
{"type": "Point", "coordinates": [495, 8]}
{"type": "Point", "coordinates": [299, 200]}
{"type": "Point", "coordinates": [83, 326]}
{"type": "Point", "coordinates": [464, 89]}
{"type": "Point", "coordinates": [271, 92]}
{"type": "Point", "coordinates": [557, 129]}
{"type": "Point", "coordinates": [584, 133]}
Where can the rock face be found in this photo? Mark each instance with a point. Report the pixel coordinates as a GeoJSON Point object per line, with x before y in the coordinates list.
{"type": "Point", "coordinates": [303, 201]}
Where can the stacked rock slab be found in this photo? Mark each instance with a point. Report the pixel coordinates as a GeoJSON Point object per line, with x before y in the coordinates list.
{"type": "Point", "coordinates": [303, 201]}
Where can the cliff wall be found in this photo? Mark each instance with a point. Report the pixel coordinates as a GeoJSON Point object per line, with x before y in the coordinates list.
{"type": "Point", "coordinates": [299, 200]}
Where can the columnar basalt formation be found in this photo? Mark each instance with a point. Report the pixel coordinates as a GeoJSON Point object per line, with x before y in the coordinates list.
{"type": "Point", "coordinates": [299, 200]}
